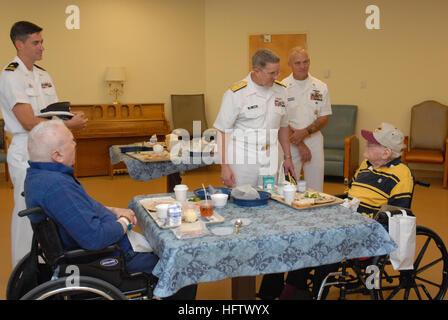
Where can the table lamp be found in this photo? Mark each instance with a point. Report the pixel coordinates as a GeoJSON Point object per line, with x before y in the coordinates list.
{"type": "Point", "coordinates": [115, 77]}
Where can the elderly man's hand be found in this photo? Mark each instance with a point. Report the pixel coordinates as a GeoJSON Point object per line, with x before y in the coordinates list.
{"type": "Point", "coordinates": [127, 213]}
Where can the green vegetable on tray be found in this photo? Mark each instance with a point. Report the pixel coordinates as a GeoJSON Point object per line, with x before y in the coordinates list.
{"type": "Point", "coordinates": [312, 195]}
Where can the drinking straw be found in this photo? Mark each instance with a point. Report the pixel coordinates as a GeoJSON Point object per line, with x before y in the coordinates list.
{"type": "Point", "coordinates": [205, 194]}
{"type": "Point", "coordinates": [291, 179]}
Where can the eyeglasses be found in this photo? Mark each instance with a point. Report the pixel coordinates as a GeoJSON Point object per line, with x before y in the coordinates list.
{"type": "Point", "coordinates": [272, 73]}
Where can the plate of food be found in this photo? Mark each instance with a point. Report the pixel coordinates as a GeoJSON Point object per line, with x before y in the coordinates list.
{"type": "Point", "coordinates": [310, 199]}
{"type": "Point", "coordinates": [318, 197]}
{"type": "Point", "coordinates": [150, 203]}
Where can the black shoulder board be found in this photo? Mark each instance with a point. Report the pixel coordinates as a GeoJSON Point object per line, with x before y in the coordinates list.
{"type": "Point", "coordinates": [12, 66]}
{"type": "Point", "coordinates": [39, 67]}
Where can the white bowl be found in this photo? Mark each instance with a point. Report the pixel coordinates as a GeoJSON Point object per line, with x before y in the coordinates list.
{"type": "Point", "coordinates": [220, 199]}
{"type": "Point", "coordinates": [157, 148]}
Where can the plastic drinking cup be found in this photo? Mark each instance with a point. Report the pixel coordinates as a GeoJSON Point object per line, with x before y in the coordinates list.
{"type": "Point", "coordinates": [289, 192]}
{"type": "Point", "coordinates": [180, 191]}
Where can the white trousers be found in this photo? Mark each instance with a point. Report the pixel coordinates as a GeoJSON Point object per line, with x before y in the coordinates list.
{"type": "Point", "coordinates": [246, 174]}
{"type": "Point", "coordinates": [252, 164]}
{"type": "Point", "coordinates": [21, 232]}
{"type": "Point", "coordinates": [313, 170]}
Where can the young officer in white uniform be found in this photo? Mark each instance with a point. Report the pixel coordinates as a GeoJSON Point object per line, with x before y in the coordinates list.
{"type": "Point", "coordinates": [309, 109]}
{"type": "Point", "coordinates": [25, 89]}
{"type": "Point", "coordinates": [251, 120]}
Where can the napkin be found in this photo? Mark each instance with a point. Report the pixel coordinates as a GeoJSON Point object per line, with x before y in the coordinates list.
{"type": "Point", "coordinates": [246, 192]}
{"type": "Point", "coordinates": [138, 242]}
{"type": "Point", "coordinates": [351, 204]}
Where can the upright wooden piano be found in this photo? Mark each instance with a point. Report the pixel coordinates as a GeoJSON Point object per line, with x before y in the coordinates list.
{"type": "Point", "coordinates": [112, 124]}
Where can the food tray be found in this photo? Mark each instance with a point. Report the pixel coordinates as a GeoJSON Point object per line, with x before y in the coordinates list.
{"type": "Point", "coordinates": [215, 218]}
{"type": "Point", "coordinates": [150, 156]}
{"type": "Point", "coordinates": [327, 200]}
{"type": "Point", "coordinates": [135, 149]}
{"type": "Point", "coordinates": [264, 197]}
{"type": "Point", "coordinates": [201, 154]}
{"type": "Point", "coordinates": [150, 203]}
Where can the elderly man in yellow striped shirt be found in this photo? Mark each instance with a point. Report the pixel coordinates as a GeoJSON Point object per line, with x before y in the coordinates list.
{"type": "Point", "coordinates": [382, 179]}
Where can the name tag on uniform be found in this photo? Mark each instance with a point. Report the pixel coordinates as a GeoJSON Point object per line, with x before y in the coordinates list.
{"type": "Point", "coordinates": [252, 107]}
{"type": "Point", "coordinates": [291, 99]}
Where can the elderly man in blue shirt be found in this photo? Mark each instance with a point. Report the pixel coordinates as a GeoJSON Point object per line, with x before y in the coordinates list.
{"type": "Point", "coordinates": [82, 221]}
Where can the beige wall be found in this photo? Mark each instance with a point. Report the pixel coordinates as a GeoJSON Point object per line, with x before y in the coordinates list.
{"type": "Point", "coordinates": [192, 46]}
{"type": "Point", "coordinates": [160, 42]}
{"type": "Point", "coordinates": [402, 64]}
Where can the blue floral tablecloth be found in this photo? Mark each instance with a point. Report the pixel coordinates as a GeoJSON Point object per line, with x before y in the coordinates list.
{"type": "Point", "coordinates": [145, 171]}
{"type": "Point", "coordinates": [278, 239]}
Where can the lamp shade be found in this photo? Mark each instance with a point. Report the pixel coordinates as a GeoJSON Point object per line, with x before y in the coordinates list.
{"type": "Point", "coordinates": [115, 74]}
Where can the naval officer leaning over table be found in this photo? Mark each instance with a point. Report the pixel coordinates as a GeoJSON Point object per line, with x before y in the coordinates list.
{"type": "Point", "coordinates": [251, 121]}
{"type": "Point", "coordinates": [25, 89]}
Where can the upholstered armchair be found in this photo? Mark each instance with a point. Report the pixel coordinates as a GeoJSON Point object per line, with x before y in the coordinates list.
{"type": "Point", "coordinates": [187, 108]}
{"type": "Point", "coordinates": [428, 140]}
{"type": "Point", "coordinates": [341, 146]}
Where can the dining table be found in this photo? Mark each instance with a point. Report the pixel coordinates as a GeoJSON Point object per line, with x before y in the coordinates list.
{"type": "Point", "coordinates": [274, 238]}
{"type": "Point", "coordinates": [146, 171]}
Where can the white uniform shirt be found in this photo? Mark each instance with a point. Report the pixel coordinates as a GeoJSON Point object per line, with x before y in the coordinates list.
{"type": "Point", "coordinates": [254, 114]}
{"type": "Point", "coordinates": [308, 100]}
{"type": "Point", "coordinates": [247, 106]}
{"type": "Point", "coordinates": [19, 85]}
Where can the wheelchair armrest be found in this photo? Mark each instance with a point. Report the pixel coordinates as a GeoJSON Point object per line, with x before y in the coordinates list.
{"type": "Point", "coordinates": [78, 253]}
{"type": "Point", "coordinates": [383, 218]}
{"type": "Point", "coordinates": [30, 211]}
{"type": "Point", "coordinates": [422, 183]}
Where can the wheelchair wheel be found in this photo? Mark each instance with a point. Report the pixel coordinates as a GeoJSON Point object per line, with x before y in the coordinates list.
{"type": "Point", "coordinates": [24, 278]}
{"type": "Point", "coordinates": [429, 278]}
{"type": "Point", "coordinates": [88, 288]}
{"type": "Point", "coordinates": [13, 289]}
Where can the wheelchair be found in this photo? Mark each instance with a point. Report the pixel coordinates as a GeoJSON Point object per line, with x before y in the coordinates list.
{"type": "Point", "coordinates": [48, 272]}
{"type": "Point", "coordinates": [354, 276]}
